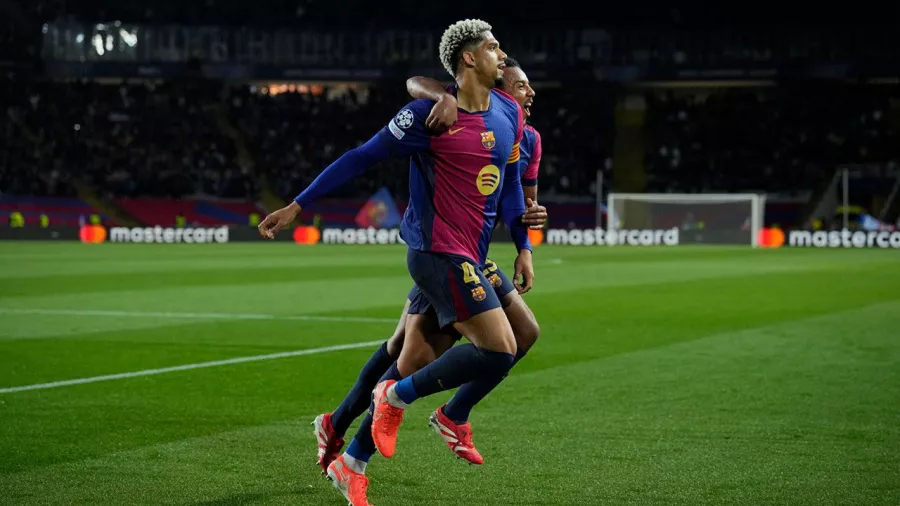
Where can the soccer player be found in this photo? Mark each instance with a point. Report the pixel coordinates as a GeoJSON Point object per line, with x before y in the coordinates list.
{"type": "Point", "coordinates": [450, 421]}
{"type": "Point", "coordinates": [458, 186]}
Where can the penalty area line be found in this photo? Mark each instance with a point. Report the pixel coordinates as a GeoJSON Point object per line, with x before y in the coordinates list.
{"type": "Point", "coordinates": [187, 367]}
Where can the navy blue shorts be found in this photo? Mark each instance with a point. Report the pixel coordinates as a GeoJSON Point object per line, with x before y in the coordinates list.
{"type": "Point", "coordinates": [453, 287]}
{"type": "Point", "coordinates": [498, 279]}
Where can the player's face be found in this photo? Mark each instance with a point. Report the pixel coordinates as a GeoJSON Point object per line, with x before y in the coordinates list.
{"type": "Point", "coordinates": [515, 82]}
{"type": "Point", "coordinates": [489, 58]}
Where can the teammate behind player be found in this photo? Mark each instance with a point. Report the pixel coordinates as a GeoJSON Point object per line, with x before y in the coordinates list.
{"type": "Point", "coordinates": [451, 420]}
{"type": "Point", "coordinates": [466, 49]}
{"type": "Point", "coordinates": [331, 427]}
{"type": "Point", "coordinates": [457, 186]}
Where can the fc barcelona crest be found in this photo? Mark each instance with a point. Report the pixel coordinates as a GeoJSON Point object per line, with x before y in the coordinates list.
{"type": "Point", "coordinates": [478, 293]}
{"type": "Point", "coordinates": [487, 139]}
{"type": "Point", "coordinates": [495, 280]}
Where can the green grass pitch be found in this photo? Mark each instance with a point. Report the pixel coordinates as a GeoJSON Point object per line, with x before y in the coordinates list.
{"type": "Point", "coordinates": [663, 376]}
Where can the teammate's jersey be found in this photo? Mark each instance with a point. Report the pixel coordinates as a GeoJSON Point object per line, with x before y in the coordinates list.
{"type": "Point", "coordinates": [530, 156]}
{"type": "Point", "coordinates": [457, 179]}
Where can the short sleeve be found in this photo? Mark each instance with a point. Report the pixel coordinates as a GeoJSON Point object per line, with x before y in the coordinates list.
{"type": "Point", "coordinates": [530, 177]}
{"type": "Point", "coordinates": [517, 116]}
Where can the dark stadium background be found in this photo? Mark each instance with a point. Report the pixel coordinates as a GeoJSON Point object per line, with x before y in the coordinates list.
{"type": "Point", "coordinates": [172, 117]}
{"type": "Point", "coordinates": [705, 372]}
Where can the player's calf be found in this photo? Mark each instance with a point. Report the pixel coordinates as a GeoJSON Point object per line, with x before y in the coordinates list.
{"type": "Point", "coordinates": [461, 364]}
{"type": "Point", "coordinates": [359, 397]}
{"type": "Point", "coordinates": [526, 332]}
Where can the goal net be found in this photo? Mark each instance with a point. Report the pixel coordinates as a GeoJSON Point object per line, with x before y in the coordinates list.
{"type": "Point", "coordinates": [727, 218]}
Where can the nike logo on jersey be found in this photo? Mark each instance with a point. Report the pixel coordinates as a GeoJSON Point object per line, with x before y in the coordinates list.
{"type": "Point", "coordinates": [453, 131]}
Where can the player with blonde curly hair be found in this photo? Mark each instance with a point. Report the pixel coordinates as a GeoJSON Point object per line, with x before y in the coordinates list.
{"type": "Point", "coordinates": [459, 184]}
{"type": "Point", "coordinates": [450, 421]}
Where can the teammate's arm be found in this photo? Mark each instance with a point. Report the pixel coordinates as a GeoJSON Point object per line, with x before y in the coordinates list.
{"type": "Point", "coordinates": [530, 193]}
{"type": "Point", "coordinates": [512, 207]}
{"type": "Point", "coordinates": [530, 176]}
{"type": "Point", "coordinates": [444, 113]}
{"type": "Point", "coordinates": [536, 215]}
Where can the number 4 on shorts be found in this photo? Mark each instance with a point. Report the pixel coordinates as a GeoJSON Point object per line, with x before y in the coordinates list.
{"type": "Point", "coordinates": [469, 276]}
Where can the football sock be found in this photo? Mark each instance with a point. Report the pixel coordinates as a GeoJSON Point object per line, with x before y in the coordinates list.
{"type": "Point", "coordinates": [363, 447]}
{"type": "Point", "coordinates": [356, 458]}
{"type": "Point", "coordinates": [470, 394]}
{"type": "Point", "coordinates": [360, 396]}
{"type": "Point", "coordinates": [459, 365]}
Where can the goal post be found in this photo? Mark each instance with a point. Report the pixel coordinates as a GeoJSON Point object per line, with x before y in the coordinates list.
{"type": "Point", "coordinates": [726, 218]}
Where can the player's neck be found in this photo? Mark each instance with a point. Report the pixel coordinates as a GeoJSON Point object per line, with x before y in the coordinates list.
{"type": "Point", "coordinates": [472, 96]}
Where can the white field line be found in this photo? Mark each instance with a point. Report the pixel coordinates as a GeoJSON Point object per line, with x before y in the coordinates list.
{"type": "Point", "coordinates": [194, 316]}
{"type": "Point", "coordinates": [188, 367]}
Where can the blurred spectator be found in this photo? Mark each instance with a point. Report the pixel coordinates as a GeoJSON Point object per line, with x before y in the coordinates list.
{"type": "Point", "coordinates": [174, 139]}
{"type": "Point", "coordinates": [152, 139]}
{"type": "Point", "coordinates": [774, 139]}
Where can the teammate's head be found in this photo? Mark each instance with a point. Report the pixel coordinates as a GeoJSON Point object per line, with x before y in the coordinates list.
{"type": "Point", "coordinates": [469, 45]}
{"type": "Point", "coordinates": [515, 82]}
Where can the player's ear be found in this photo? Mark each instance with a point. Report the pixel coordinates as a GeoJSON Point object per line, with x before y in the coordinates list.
{"type": "Point", "coordinates": [468, 58]}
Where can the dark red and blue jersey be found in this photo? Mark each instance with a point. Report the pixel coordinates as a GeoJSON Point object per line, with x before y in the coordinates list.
{"type": "Point", "coordinates": [458, 181]}
{"type": "Point", "coordinates": [530, 152]}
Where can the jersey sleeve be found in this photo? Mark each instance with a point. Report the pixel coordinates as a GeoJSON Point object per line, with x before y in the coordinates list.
{"type": "Point", "coordinates": [512, 207]}
{"type": "Point", "coordinates": [520, 129]}
{"type": "Point", "coordinates": [405, 133]}
{"type": "Point", "coordinates": [403, 136]}
{"type": "Point", "coordinates": [530, 177]}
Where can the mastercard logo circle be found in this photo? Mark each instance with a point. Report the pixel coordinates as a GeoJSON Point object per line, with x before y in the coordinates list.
{"type": "Point", "coordinates": [92, 234]}
{"type": "Point", "coordinates": [771, 238]}
{"type": "Point", "coordinates": [307, 235]}
{"type": "Point", "coordinates": [536, 237]}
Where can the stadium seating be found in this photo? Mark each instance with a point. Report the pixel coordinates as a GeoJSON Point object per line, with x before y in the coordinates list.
{"type": "Point", "coordinates": [60, 211]}
{"type": "Point", "coordinates": [158, 211]}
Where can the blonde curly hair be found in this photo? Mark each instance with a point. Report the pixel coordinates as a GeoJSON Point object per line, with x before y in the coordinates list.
{"type": "Point", "coordinates": [456, 37]}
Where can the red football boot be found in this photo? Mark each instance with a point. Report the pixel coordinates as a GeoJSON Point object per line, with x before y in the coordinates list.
{"type": "Point", "coordinates": [329, 443]}
{"type": "Point", "coordinates": [458, 437]}
{"type": "Point", "coordinates": [386, 420]}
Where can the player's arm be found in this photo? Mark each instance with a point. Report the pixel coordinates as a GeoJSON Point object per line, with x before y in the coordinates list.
{"type": "Point", "coordinates": [530, 176]}
{"type": "Point", "coordinates": [350, 165]}
{"type": "Point", "coordinates": [530, 193]}
{"type": "Point", "coordinates": [403, 136]}
{"type": "Point", "coordinates": [512, 207]}
{"type": "Point", "coordinates": [444, 113]}
{"type": "Point", "coordinates": [523, 278]}
{"type": "Point", "coordinates": [535, 215]}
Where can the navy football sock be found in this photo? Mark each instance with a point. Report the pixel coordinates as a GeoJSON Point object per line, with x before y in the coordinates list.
{"type": "Point", "coordinates": [362, 444]}
{"type": "Point", "coordinates": [356, 450]}
{"type": "Point", "coordinates": [470, 394]}
{"type": "Point", "coordinates": [460, 365]}
{"type": "Point", "coordinates": [360, 396]}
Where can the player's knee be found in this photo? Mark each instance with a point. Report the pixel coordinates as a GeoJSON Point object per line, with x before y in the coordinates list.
{"type": "Point", "coordinates": [527, 334]}
{"type": "Point", "coordinates": [506, 343]}
{"type": "Point", "coordinates": [412, 361]}
{"type": "Point", "coordinates": [496, 362]}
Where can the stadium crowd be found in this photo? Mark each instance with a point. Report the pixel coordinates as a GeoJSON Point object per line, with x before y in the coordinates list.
{"type": "Point", "coordinates": [777, 139]}
{"type": "Point", "coordinates": [166, 139]}
{"type": "Point", "coordinates": [173, 138]}
{"type": "Point", "coordinates": [140, 139]}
